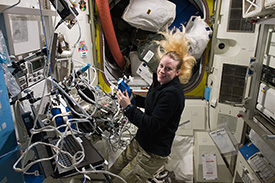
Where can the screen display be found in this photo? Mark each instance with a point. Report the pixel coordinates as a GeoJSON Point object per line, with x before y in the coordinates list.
{"type": "Point", "coordinates": [36, 64]}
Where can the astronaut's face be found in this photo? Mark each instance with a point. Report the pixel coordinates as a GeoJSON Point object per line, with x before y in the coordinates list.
{"type": "Point", "coordinates": [167, 69]}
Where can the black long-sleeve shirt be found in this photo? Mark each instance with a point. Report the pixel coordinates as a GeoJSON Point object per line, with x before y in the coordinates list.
{"type": "Point", "coordinates": [158, 124]}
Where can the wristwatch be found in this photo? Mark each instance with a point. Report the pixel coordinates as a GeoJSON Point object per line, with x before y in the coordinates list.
{"type": "Point", "coordinates": [128, 107]}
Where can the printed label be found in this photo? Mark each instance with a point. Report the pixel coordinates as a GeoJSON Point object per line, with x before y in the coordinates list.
{"type": "Point", "coordinates": [148, 56]}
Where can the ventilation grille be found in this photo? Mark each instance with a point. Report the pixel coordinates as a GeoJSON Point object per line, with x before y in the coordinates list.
{"type": "Point", "coordinates": [232, 84]}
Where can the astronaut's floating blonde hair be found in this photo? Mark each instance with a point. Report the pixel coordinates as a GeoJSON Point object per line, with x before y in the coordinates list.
{"type": "Point", "coordinates": [175, 40]}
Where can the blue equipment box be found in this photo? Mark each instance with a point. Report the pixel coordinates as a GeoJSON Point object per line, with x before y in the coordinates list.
{"type": "Point", "coordinates": [248, 150]}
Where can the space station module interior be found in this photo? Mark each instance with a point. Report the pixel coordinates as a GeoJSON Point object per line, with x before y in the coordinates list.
{"type": "Point", "coordinates": [62, 62]}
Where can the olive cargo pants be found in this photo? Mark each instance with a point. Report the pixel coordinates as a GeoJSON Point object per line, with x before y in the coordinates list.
{"type": "Point", "coordinates": [135, 165]}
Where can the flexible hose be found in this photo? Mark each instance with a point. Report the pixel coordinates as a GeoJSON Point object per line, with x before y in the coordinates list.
{"type": "Point", "coordinates": [109, 32]}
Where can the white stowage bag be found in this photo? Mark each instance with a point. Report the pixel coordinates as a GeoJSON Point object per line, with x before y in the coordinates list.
{"type": "Point", "coordinates": [199, 33]}
{"type": "Point", "coordinates": [181, 162]}
{"type": "Point", "coordinates": [150, 15]}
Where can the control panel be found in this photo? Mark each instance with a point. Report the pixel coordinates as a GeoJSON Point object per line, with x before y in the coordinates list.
{"type": "Point", "coordinates": [32, 72]}
{"type": "Point", "coordinates": [35, 70]}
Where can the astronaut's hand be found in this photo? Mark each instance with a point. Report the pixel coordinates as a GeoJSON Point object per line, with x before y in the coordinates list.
{"type": "Point", "coordinates": [123, 99]}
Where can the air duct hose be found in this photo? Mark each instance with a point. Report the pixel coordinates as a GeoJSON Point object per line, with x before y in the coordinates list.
{"type": "Point", "coordinates": [109, 32]}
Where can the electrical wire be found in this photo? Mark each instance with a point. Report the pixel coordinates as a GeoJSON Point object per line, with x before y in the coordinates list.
{"type": "Point", "coordinates": [71, 99]}
{"type": "Point", "coordinates": [92, 67]}
{"type": "Point", "coordinates": [113, 119]}
{"type": "Point", "coordinates": [77, 121]}
{"type": "Point", "coordinates": [60, 115]}
{"type": "Point", "coordinates": [84, 179]}
{"type": "Point", "coordinates": [59, 23]}
{"type": "Point", "coordinates": [48, 129]}
{"type": "Point", "coordinates": [10, 152]}
{"type": "Point", "coordinates": [100, 171]}
{"type": "Point", "coordinates": [56, 148]}
{"type": "Point", "coordinates": [77, 41]}
{"type": "Point", "coordinates": [47, 53]}
{"type": "Point", "coordinates": [23, 156]}
{"type": "Point", "coordinates": [47, 67]}
{"type": "Point", "coordinates": [100, 96]}
{"type": "Point", "coordinates": [43, 26]}
{"type": "Point", "coordinates": [75, 161]}
{"type": "Point", "coordinates": [87, 98]}
{"type": "Point", "coordinates": [42, 20]}
{"type": "Point", "coordinates": [59, 150]}
{"type": "Point", "coordinates": [119, 143]}
{"type": "Point", "coordinates": [10, 7]}
{"type": "Point", "coordinates": [208, 114]}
